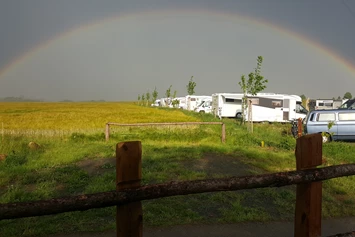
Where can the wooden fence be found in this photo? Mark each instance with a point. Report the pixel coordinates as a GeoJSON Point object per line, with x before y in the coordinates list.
{"type": "Point", "coordinates": [107, 128]}
{"type": "Point", "coordinates": [129, 193]}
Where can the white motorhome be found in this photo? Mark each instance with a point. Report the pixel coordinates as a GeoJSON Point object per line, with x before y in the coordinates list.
{"type": "Point", "coordinates": [165, 102]}
{"type": "Point", "coordinates": [204, 107]}
{"type": "Point", "coordinates": [156, 103]}
{"type": "Point", "coordinates": [270, 107]}
{"type": "Point", "coordinates": [180, 102]}
{"type": "Point", "coordinates": [192, 101]}
{"type": "Point", "coordinates": [227, 105]}
{"type": "Point", "coordinates": [328, 103]}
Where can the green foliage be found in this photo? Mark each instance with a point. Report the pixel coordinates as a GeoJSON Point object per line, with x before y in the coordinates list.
{"type": "Point", "coordinates": [191, 86]}
{"type": "Point", "coordinates": [328, 134]}
{"type": "Point", "coordinates": [147, 96]}
{"type": "Point", "coordinates": [16, 159]}
{"type": "Point", "coordinates": [347, 95]}
{"type": "Point", "coordinates": [168, 93]}
{"type": "Point", "coordinates": [255, 84]}
{"type": "Point", "coordinates": [154, 94]}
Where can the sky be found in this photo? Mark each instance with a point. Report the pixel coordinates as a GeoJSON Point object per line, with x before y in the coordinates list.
{"type": "Point", "coordinates": [115, 50]}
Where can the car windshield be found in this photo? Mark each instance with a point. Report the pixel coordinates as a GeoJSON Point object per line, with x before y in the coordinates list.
{"type": "Point", "coordinates": [350, 104]}
{"type": "Point", "coordinates": [201, 103]}
{"type": "Point", "coordinates": [301, 109]}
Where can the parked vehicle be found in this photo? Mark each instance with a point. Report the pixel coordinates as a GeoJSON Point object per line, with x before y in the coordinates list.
{"type": "Point", "coordinates": [165, 102]}
{"type": "Point", "coordinates": [156, 103]}
{"type": "Point", "coordinates": [348, 104]}
{"type": "Point", "coordinates": [271, 107]}
{"type": "Point", "coordinates": [319, 104]}
{"type": "Point", "coordinates": [192, 101]}
{"type": "Point", "coordinates": [336, 124]}
{"type": "Point", "coordinates": [227, 105]}
{"type": "Point", "coordinates": [178, 102]}
{"type": "Point", "coordinates": [204, 107]}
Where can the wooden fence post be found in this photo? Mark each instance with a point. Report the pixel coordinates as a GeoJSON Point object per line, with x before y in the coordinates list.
{"type": "Point", "coordinates": [308, 213]}
{"type": "Point", "coordinates": [223, 133]}
{"type": "Point", "coordinates": [107, 131]}
{"type": "Point", "coordinates": [129, 218]}
{"type": "Point", "coordinates": [299, 127]}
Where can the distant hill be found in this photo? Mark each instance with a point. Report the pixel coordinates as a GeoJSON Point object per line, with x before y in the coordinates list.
{"type": "Point", "coordinates": [19, 99]}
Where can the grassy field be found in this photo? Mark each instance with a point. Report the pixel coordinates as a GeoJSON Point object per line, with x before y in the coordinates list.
{"type": "Point", "coordinates": [74, 158]}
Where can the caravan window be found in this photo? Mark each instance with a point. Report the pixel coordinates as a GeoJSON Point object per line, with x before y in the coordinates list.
{"type": "Point", "coordinates": [192, 99]}
{"type": "Point", "coordinates": [229, 100]}
{"type": "Point", "coordinates": [346, 116]}
{"type": "Point", "coordinates": [254, 101]}
{"type": "Point", "coordinates": [276, 103]}
{"type": "Point", "coordinates": [326, 117]}
{"type": "Point", "coordinates": [321, 104]}
{"type": "Point", "coordinates": [328, 104]}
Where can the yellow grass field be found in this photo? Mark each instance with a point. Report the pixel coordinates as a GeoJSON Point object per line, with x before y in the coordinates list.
{"type": "Point", "coordinates": [79, 116]}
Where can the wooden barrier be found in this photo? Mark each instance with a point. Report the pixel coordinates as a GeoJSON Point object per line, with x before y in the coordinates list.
{"type": "Point", "coordinates": [107, 127]}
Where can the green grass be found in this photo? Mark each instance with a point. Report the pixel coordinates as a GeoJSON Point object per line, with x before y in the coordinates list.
{"type": "Point", "coordinates": [83, 162]}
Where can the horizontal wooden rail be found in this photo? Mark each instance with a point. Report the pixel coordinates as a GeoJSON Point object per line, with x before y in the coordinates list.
{"type": "Point", "coordinates": [177, 123]}
{"type": "Point", "coordinates": [112, 198]}
{"type": "Point", "coordinates": [107, 129]}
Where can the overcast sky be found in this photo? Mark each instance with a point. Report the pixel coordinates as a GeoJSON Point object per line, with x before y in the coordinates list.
{"type": "Point", "coordinates": [115, 50]}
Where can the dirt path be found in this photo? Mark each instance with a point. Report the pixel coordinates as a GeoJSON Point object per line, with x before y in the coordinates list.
{"type": "Point", "coordinates": [269, 229]}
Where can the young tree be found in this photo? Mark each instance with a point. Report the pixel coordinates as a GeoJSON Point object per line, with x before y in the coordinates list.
{"type": "Point", "coordinates": [175, 102]}
{"type": "Point", "coordinates": [147, 96]}
{"type": "Point", "coordinates": [139, 98]}
{"type": "Point", "coordinates": [304, 100]}
{"type": "Point", "coordinates": [253, 85]}
{"type": "Point", "coordinates": [347, 95]}
{"type": "Point", "coordinates": [191, 86]}
{"type": "Point", "coordinates": [168, 94]}
{"type": "Point", "coordinates": [154, 95]}
{"type": "Point", "coordinates": [143, 99]}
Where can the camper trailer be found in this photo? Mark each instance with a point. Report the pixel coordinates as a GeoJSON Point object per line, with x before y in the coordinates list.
{"type": "Point", "coordinates": [227, 105]}
{"type": "Point", "coordinates": [205, 106]}
{"type": "Point", "coordinates": [178, 102]}
{"type": "Point", "coordinates": [270, 107]}
{"type": "Point", "coordinates": [192, 101]}
{"type": "Point", "coordinates": [320, 104]}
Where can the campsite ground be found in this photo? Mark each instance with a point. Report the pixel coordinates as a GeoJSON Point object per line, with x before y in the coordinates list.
{"type": "Point", "coordinates": [269, 229]}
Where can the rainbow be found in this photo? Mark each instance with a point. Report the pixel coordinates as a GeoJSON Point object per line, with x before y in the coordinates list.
{"type": "Point", "coordinates": [222, 14]}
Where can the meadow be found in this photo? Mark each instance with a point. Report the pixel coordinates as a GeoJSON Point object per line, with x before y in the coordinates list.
{"type": "Point", "coordinates": [74, 158]}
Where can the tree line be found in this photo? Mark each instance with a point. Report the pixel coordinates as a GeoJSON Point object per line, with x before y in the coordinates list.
{"type": "Point", "coordinates": [146, 99]}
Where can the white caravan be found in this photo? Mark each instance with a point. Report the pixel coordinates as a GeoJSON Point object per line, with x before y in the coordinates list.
{"type": "Point", "coordinates": [227, 105]}
{"type": "Point", "coordinates": [192, 101]}
{"type": "Point", "coordinates": [181, 102]}
{"type": "Point", "coordinates": [328, 103]}
{"type": "Point", "coordinates": [270, 107]}
{"type": "Point", "coordinates": [165, 102]}
{"type": "Point", "coordinates": [156, 103]}
{"type": "Point", "coordinates": [204, 107]}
